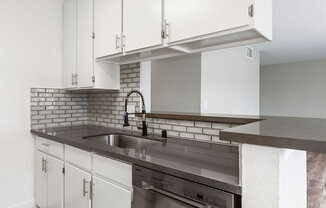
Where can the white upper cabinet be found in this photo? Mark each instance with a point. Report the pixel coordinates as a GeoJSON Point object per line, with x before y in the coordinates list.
{"type": "Point", "coordinates": [81, 71]}
{"type": "Point", "coordinates": [128, 31]}
{"type": "Point", "coordinates": [85, 43]}
{"type": "Point", "coordinates": [107, 27]}
{"type": "Point", "coordinates": [69, 44]}
{"type": "Point", "coordinates": [142, 23]}
{"type": "Point", "coordinates": [192, 18]}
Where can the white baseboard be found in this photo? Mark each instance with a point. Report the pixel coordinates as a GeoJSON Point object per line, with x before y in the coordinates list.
{"type": "Point", "coordinates": [26, 204]}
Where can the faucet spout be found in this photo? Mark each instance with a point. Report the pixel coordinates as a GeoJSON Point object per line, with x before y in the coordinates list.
{"type": "Point", "coordinates": [144, 124]}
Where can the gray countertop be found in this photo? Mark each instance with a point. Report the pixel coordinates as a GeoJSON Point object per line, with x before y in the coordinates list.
{"type": "Point", "coordinates": [210, 164]}
{"type": "Point", "coordinates": [284, 132]}
{"type": "Point", "coordinates": [206, 117]}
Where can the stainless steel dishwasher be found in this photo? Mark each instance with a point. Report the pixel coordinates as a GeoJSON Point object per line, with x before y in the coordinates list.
{"type": "Point", "coordinates": [153, 189]}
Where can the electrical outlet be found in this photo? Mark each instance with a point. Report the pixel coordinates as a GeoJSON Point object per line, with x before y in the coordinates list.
{"type": "Point", "coordinates": [131, 109]}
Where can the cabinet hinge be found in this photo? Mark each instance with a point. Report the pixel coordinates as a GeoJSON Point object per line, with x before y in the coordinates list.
{"type": "Point", "coordinates": [123, 42]}
{"type": "Point", "coordinates": [93, 35]}
{"type": "Point", "coordinates": [163, 34]}
{"type": "Point", "coordinates": [91, 190]}
{"type": "Point", "coordinates": [63, 170]}
{"type": "Point", "coordinates": [93, 79]}
{"type": "Point", "coordinates": [251, 10]}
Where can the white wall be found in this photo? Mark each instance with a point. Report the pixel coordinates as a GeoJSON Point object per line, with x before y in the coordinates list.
{"type": "Point", "coordinates": [294, 89]}
{"type": "Point", "coordinates": [273, 177]}
{"type": "Point", "coordinates": [30, 56]}
{"type": "Point", "coordinates": [175, 84]}
{"type": "Point", "coordinates": [230, 82]}
{"type": "Point", "coordinates": [145, 83]}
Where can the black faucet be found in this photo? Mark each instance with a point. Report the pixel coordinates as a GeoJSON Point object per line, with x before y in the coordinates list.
{"type": "Point", "coordinates": [143, 126]}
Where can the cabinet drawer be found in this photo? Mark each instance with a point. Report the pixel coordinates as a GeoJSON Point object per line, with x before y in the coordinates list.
{"type": "Point", "coordinates": [50, 147]}
{"type": "Point", "coordinates": [78, 157]}
{"type": "Point", "coordinates": [112, 169]}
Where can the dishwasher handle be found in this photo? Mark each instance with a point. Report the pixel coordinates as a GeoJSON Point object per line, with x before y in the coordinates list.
{"type": "Point", "coordinates": [174, 196]}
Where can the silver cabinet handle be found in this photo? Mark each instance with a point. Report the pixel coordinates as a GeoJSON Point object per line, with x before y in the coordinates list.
{"type": "Point", "coordinates": [45, 144]}
{"type": "Point", "coordinates": [175, 197]}
{"type": "Point", "coordinates": [117, 39]}
{"type": "Point", "coordinates": [45, 164]}
{"type": "Point", "coordinates": [84, 187]}
{"type": "Point", "coordinates": [42, 164]}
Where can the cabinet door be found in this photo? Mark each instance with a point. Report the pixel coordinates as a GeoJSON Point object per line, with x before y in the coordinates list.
{"type": "Point", "coordinates": [107, 27]}
{"type": "Point", "coordinates": [40, 180]}
{"type": "Point", "coordinates": [76, 187]}
{"type": "Point", "coordinates": [108, 195]}
{"type": "Point", "coordinates": [55, 182]}
{"type": "Point", "coordinates": [142, 23]}
{"type": "Point", "coordinates": [192, 18]}
{"type": "Point", "coordinates": [69, 44]}
{"type": "Point", "coordinates": [85, 43]}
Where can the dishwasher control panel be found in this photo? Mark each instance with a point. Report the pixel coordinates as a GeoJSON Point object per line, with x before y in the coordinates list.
{"type": "Point", "coordinates": [145, 178]}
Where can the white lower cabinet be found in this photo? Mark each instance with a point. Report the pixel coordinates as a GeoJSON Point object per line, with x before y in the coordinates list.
{"type": "Point", "coordinates": [40, 180]}
{"type": "Point", "coordinates": [107, 195]}
{"type": "Point", "coordinates": [70, 177]}
{"type": "Point", "coordinates": [77, 187]}
{"type": "Point", "coordinates": [55, 182]}
{"type": "Point", "coordinates": [48, 181]}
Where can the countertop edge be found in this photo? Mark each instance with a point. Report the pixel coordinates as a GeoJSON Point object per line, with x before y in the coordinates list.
{"type": "Point", "coordinates": [203, 118]}
{"type": "Point", "coordinates": [274, 141]}
{"type": "Point", "coordinates": [232, 188]}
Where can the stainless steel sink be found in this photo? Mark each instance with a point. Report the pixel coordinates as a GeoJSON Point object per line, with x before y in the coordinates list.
{"type": "Point", "coordinates": [123, 141]}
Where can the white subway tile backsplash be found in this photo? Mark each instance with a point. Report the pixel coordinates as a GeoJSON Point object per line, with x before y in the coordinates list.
{"type": "Point", "coordinates": [213, 132]}
{"type": "Point", "coordinates": [220, 126]}
{"type": "Point", "coordinates": [57, 107]}
{"type": "Point", "coordinates": [180, 128]}
{"type": "Point", "coordinates": [172, 122]}
{"type": "Point", "coordinates": [202, 137]}
{"type": "Point", "coordinates": [173, 133]}
{"type": "Point", "coordinates": [203, 124]}
{"type": "Point", "coordinates": [166, 127]}
{"type": "Point", "coordinates": [187, 135]}
{"type": "Point", "coordinates": [195, 130]}
{"type": "Point", "coordinates": [187, 123]}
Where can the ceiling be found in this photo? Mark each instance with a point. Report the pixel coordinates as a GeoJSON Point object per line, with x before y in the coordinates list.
{"type": "Point", "coordinates": [299, 32]}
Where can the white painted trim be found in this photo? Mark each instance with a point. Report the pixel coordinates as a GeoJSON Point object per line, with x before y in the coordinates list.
{"type": "Point", "coordinates": [26, 204]}
{"type": "Point", "coordinates": [145, 83]}
{"type": "Point", "coordinates": [273, 177]}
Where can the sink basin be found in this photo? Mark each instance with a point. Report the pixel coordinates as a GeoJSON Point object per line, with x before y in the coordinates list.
{"type": "Point", "coordinates": [123, 141]}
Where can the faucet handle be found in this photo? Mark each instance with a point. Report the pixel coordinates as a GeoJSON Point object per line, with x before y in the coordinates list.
{"type": "Point", "coordinates": [126, 122]}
